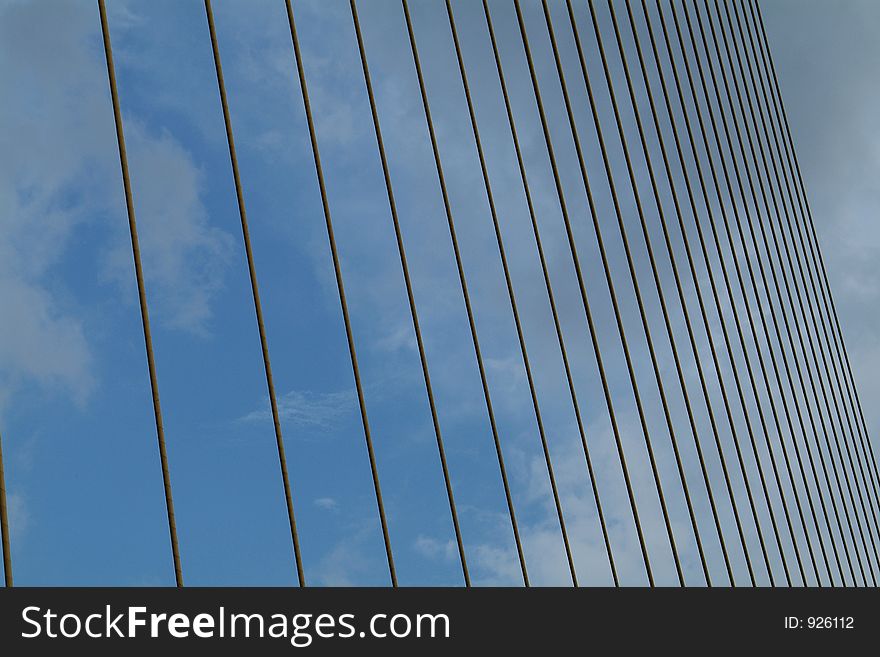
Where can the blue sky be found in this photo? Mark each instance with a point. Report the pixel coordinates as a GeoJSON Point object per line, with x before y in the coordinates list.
{"type": "Point", "coordinates": [75, 411]}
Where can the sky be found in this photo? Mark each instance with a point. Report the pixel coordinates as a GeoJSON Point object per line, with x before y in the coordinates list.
{"type": "Point", "coordinates": [85, 489]}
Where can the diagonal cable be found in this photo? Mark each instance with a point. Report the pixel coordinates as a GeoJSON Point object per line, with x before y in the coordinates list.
{"type": "Point", "coordinates": [340, 286]}
{"type": "Point", "coordinates": [142, 294]}
{"type": "Point", "coordinates": [551, 297]}
{"type": "Point", "coordinates": [255, 290]}
{"type": "Point", "coordinates": [511, 294]}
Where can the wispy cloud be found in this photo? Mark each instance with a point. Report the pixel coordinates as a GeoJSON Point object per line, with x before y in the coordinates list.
{"type": "Point", "coordinates": [19, 516]}
{"type": "Point", "coordinates": [431, 548]}
{"type": "Point", "coordinates": [50, 136]}
{"type": "Point", "coordinates": [321, 410]}
{"type": "Point", "coordinates": [347, 562]}
{"type": "Point", "coordinates": [327, 503]}
{"type": "Point", "coordinates": [41, 342]}
{"type": "Point", "coordinates": [184, 256]}
{"type": "Point", "coordinates": [59, 175]}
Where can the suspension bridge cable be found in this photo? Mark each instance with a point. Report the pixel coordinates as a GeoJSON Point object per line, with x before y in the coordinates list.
{"type": "Point", "coordinates": [815, 274]}
{"type": "Point", "coordinates": [813, 241]}
{"type": "Point", "coordinates": [776, 287]}
{"type": "Point", "coordinates": [679, 288]}
{"type": "Point", "coordinates": [634, 281]}
{"type": "Point", "coordinates": [646, 233]}
{"type": "Point", "coordinates": [411, 295]}
{"type": "Point", "coordinates": [551, 297]}
{"type": "Point", "coordinates": [656, 277]}
{"type": "Point", "coordinates": [4, 525]}
{"type": "Point", "coordinates": [763, 75]}
{"type": "Point", "coordinates": [458, 261]}
{"type": "Point", "coordinates": [340, 285]}
{"type": "Point", "coordinates": [737, 269]}
{"type": "Point", "coordinates": [855, 432]}
{"type": "Point", "coordinates": [754, 285]}
{"type": "Point", "coordinates": [841, 409]}
{"type": "Point", "coordinates": [583, 292]}
{"type": "Point", "coordinates": [849, 477]}
{"type": "Point", "coordinates": [788, 287]}
{"type": "Point", "coordinates": [142, 294]}
{"type": "Point", "coordinates": [252, 272]}
{"type": "Point", "coordinates": [752, 89]}
{"type": "Point", "coordinates": [511, 295]}
{"type": "Point", "coordinates": [860, 428]}
{"type": "Point", "coordinates": [618, 317]}
{"type": "Point", "coordinates": [810, 230]}
{"type": "Point", "coordinates": [766, 241]}
{"type": "Point", "coordinates": [695, 279]}
{"type": "Point", "coordinates": [661, 295]}
{"type": "Point", "coordinates": [733, 365]}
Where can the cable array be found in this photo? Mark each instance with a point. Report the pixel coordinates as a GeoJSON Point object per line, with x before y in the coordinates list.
{"type": "Point", "coordinates": [726, 222]}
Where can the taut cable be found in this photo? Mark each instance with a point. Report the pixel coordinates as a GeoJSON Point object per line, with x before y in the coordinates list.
{"type": "Point", "coordinates": [4, 525]}
{"type": "Point", "coordinates": [255, 290]}
{"type": "Point", "coordinates": [340, 286]}
{"type": "Point", "coordinates": [142, 294]}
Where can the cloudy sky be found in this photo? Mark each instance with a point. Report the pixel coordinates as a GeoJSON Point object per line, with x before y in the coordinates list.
{"type": "Point", "coordinates": [75, 410]}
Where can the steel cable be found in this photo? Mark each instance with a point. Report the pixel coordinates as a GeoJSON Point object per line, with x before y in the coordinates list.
{"type": "Point", "coordinates": [812, 239]}
{"type": "Point", "coordinates": [711, 276]}
{"type": "Point", "coordinates": [634, 280]}
{"type": "Point", "coordinates": [4, 525]}
{"type": "Point", "coordinates": [804, 269]}
{"type": "Point", "coordinates": [788, 287]}
{"type": "Point", "coordinates": [563, 206]}
{"type": "Point", "coordinates": [789, 339]}
{"type": "Point", "coordinates": [545, 271]}
{"type": "Point", "coordinates": [447, 207]}
{"type": "Point", "coordinates": [340, 285]}
{"type": "Point", "coordinates": [829, 358]}
{"type": "Point", "coordinates": [490, 197]}
{"type": "Point", "coordinates": [737, 269]}
{"type": "Point", "coordinates": [142, 294]}
{"type": "Point", "coordinates": [255, 291]}
{"type": "Point", "coordinates": [695, 281]}
{"type": "Point", "coordinates": [411, 298]}
{"type": "Point", "coordinates": [754, 285]}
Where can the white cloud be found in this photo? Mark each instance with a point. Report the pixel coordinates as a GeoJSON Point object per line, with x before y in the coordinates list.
{"type": "Point", "coordinates": [346, 564]}
{"type": "Point", "coordinates": [309, 409]}
{"type": "Point", "coordinates": [431, 548]}
{"type": "Point", "coordinates": [50, 134]}
{"type": "Point", "coordinates": [40, 342]}
{"type": "Point", "coordinates": [327, 503]}
{"type": "Point", "coordinates": [397, 339]}
{"type": "Point", "coordinates": [19, 517]}
{"type": "Point", "coordinates": [183, 255]}
{"type": "Point", "coordinates": [59, 175]}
